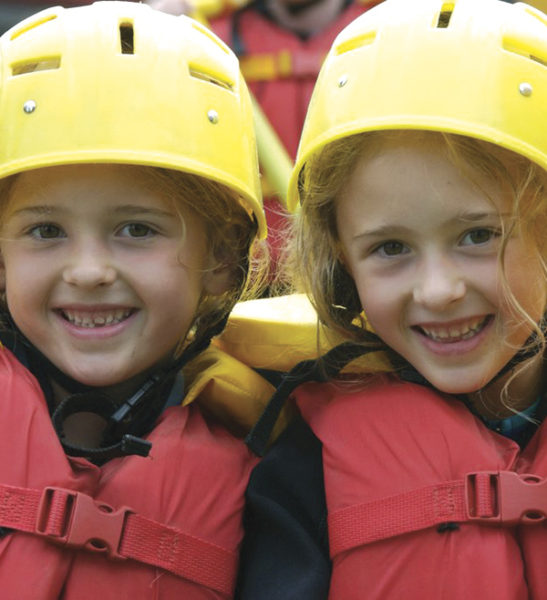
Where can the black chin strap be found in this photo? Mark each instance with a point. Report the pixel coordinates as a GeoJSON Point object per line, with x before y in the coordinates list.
{"type": "Point", "coordinates": [123, 425]}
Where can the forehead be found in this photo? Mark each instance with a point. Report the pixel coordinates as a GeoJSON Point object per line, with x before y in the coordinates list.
{"type": "Point", "coordinates": [63, 178]}
{"type": "Point", "coordinates": [406, 177]}
{"type": "Point", "coordinates": [422, 163]}
{"type": "Point", "coordinates": [80, 184]}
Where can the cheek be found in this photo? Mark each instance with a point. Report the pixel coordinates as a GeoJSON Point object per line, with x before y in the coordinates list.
{"type": "Point", "coordinates": [13, 275]}
{"type": "Point", "coordinates": [381, 313]}
{"type": "Point", "coordinates": [527, 281]}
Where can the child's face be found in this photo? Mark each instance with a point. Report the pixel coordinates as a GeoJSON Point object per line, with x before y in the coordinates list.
{"type": "Point", "coordinates": [97, 273]}
{"type": "Point", "coordinates": [421, 243]}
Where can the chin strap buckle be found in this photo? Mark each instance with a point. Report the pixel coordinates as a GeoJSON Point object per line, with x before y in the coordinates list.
{"type": "Point", "coordinates": [505, 497]}
{"type": "Point", "coordinates": [77, 520]}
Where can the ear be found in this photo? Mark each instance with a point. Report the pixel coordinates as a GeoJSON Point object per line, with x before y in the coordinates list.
{"type": "Point", "coordinates": [219, 279]}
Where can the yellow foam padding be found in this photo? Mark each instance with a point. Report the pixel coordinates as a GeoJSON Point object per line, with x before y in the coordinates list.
{"type": "Point", "coordinates": [229, 390]}
{"type": "Point", "coordinates": [270, 333]}
{"type": "Point", "coordinates": [278, 333]}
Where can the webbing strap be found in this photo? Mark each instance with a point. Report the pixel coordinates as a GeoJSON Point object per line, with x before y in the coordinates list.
{"type": "Point", "coordinates": [151, 542]}
{"type": "Point", "coordinates": [74, 519]}
{"type": "Point", "coordinates": [387, 517]}
{"type": "Point", "coordinates": [502, 498]}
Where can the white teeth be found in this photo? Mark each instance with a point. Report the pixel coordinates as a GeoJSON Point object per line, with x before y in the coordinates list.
{"type": "Point", "coordinates": [96, 319]}
{"type": "Point", "coordinates": [463, 332]}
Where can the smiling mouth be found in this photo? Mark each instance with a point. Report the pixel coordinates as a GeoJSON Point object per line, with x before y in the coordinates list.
{"type": "Point", "coordinates": [96, 318]}
{"type": "Point", "coordinates": [454, 333]}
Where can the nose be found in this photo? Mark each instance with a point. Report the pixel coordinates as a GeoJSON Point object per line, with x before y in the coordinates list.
{"type": "Point", "coordinates": [440, 282]}
{"type": "Point", "coordinates": [89, 265]}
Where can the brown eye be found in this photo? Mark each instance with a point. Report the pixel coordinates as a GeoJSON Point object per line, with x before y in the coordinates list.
{"type": "Point", "coordinates": [477, 237]}
{"type": "Point", "coordinates": [392, 248]}
{"type": "Point", "coordinates": [46, 231]}
{"type": "Point", "coordinates": [137, 230]}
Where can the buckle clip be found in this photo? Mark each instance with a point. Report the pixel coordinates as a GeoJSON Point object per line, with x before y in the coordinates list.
{"type": "Point", "coordinates": [505, 497]}
{"type": "Point", "coordinates": [77, 520]}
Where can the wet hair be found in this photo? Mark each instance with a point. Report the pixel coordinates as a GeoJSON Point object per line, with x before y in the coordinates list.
{"type": "Point", "coordinates": [230, 229]}
{"type": "Point", "coordinates": [313, 261]}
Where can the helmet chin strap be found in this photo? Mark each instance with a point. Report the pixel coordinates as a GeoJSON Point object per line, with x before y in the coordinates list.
{"type": "Point", "coordinates": [123, 424]}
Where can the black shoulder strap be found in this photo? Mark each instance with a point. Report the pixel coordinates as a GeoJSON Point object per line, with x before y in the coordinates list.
{"type": "Point", "coordinates": [322, 369]}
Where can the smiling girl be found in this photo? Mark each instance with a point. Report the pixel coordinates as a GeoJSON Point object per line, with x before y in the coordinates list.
{"type": "Point", "coordinates": [422, 184]}
{"type": "Point", "coordinates": [129, 205]}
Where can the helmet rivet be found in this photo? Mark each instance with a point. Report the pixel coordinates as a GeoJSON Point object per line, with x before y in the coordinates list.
{"type": "Point", "coordinates": [212, 115]}
{"type": "Point", "coordinates": [29, 106]}
{"type": "Point", "coordinates": [342, 81]}
{"type": "Point", "coordinates": [525, 89]}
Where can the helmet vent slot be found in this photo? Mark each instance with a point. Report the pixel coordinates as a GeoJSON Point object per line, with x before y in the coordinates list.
{"type": "Point", "coordinates": [445, 15]}
{"type": "Point", "coordinates": [518, 46]}
{"type": "Point", "coordinates": [36, 64]}
{"type": "Point", "coordinates": [357, 42]}
{"type": "Point", "coordinates": [200, 73]}
{"type": "Point", "coordinates": [32, 25]}
{"type": "Point", "coordinates": [127, 39]}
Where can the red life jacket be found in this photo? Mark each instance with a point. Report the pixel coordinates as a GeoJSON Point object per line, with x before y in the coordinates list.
{"type": "Point", "coordinates": [400, 461]}
{"type": "Point", "coordinates": [179, 538]}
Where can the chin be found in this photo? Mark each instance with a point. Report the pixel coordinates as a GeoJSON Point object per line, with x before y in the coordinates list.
{"type": "Point", "coordinates": [98, 381]}
{"type": "Point", "coordinates": [455, 388]}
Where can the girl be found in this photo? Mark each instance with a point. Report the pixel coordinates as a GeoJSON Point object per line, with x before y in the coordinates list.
{"type": "Point", "coordinates": [422, 182]}
{"type": "Point", "coordinates": [128, 205]}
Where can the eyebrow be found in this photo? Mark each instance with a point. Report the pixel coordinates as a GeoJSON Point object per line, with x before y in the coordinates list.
{"type": "Point", "coordinates": [37, 210]}
{"type": "Point", "coordinates": [133, 209]}
{"type": "Point", "coordinates": [480, 216]}
{"type": "Point", "coordinates": [125, 209]}
{"type": "Point", "coordinates": [396, 229]}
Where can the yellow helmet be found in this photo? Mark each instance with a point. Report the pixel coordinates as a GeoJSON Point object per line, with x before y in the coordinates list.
{"type": "Point", "coordinates": [471, 67]}
{"type": "Point", "coordinates": [119, 82]}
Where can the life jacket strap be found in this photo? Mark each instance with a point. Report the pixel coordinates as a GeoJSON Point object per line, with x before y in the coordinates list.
{"type": "Point", "coordinates": [266, 66]}
{"type": "Point", "coordinates": [76, 520]}
{"type": "Point", "coordinates": [321, 369]}
{"type": "Point", "coordinates": [500, 498]}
